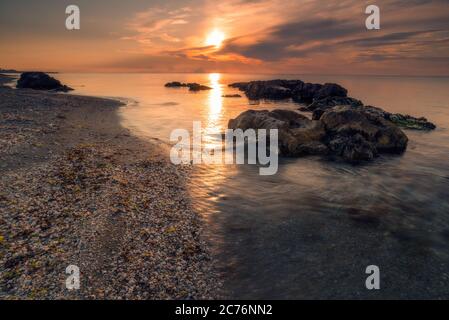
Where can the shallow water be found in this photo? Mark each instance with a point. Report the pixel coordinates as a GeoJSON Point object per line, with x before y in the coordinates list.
{"type": "Point", "coordinates": [311, 230]}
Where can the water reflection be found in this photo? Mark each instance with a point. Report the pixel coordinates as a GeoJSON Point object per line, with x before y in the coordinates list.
{"type": "Point", "coordinates": [214, 126]}
{"type": "Point", "coordinates": [316, 223]}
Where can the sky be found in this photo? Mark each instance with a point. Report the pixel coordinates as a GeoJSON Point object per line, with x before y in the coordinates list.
{"type": "Point", "coordinates": [236, 36]}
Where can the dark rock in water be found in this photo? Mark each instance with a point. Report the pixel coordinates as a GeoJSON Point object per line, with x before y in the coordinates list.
{"type": "Point", "coordinates": [310, 92]}
{"type": "Point", "coordinates": [306, 92]}
{"type": "Point", "coordinates": [242, 86]}
{"type": "Point", "coordinates": [331, 101]}
{"type": "Point", "coordinates": [231, 96]}
{"type": "Point", "coordinates": [319, 107]}
{"type": "Point", "coordinates": [40, 81]}
{"type": "Point", "coordinates": [321, 98]}
{"type": "Point", "coordinates": [355, 134]}
{"type": "Point", "coordinates": [191, 86]}
{"type": "Point", "coordinates": [175, 84]}
{"type": "Point", "coordinates": [197, 87]}
{"type": "Point", "coordinates": [285, 89]}
{"type": "Point", "coordinates": [404, 121]}
{"type": "Point", "coordinates": [297, 134]}
{"type": "Point", "coordinates": [330, 90]}
{"type": "Point", "coordinates": [271, 89]}
{"type": "Point", "coordinates": [267, 90]}
{"type": "Point", "coordinates": [345, 132]}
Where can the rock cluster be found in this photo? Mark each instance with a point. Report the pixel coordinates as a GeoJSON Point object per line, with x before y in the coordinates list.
{"type": "Point", "coordinates": [318, 98]}
{"type": "Point", "coordinates": [349, 133]}
{"type": "Point", "coordinates": [40, 81]}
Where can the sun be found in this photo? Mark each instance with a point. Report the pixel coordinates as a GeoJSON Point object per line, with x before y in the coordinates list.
{"type": "Point", "coordinates": [215, 38]}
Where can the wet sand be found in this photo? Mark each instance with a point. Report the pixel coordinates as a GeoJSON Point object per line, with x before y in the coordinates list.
{"type": "Point", "coordinates": [76, 188]}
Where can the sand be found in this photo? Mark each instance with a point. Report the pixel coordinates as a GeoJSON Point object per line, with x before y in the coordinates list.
{"type": "Point", "coordinates": [77, 188]}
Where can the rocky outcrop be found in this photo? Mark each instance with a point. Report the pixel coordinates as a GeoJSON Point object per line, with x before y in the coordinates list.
{"type": "Point", "coordinates": [286, 89]}
{"type": "Point", "coordinates": [345, 132]}
{"type": "Point", "coordinates": [319, 98]}
{"type": "Point", "coordinates": [403, 121]}
{"type": "Point", "coordinates": [272, 89]}
{"type": "Point", "coordinates": [231, 96]}
{"type": "Point", "coordinates": [40, 81]}
{"type": "Point", "coordinates": [192, 86]}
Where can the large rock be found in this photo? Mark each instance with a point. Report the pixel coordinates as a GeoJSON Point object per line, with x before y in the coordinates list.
{"type": "Point", "coordinates": [297, 134]}
{"type": "Point", "coordinates": [285, 89]}
{"type": "Point", "coordinates": [330, 90]}
{"type": "Point", "coordinates": [404, 121]}
{"type": "Point", "coordinates": [306, 92]}
{"type": "Point", "coordinates": [346, 132]}
{"type": "Point", "coordinates": [329, 102]}
{"type": "Point", "coordinates": [356, 130]}
{"type": "Point", "coordinates": [40, 81]}
{"type": "Point", "coordinates": [197, 87]}
{"type": "Point", "coordinates": [310, 92]}
{"type": "Point", "coordinates": [272, 89]}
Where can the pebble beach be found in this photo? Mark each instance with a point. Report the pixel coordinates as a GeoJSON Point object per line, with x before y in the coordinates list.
{"type": "Point", "coordinates": [76, 188]}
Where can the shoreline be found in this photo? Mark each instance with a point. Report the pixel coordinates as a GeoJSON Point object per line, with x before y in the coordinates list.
{"type": "Point", "coordinates": [79, 189]}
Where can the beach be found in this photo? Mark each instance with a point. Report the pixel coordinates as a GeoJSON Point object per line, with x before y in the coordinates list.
{"type": "Point", "coordinates": [86, 182]}
{"type": "Point", "coordinates": [79, 189]}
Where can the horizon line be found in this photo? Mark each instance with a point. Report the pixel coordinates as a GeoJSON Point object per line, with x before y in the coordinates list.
{"type": "Point", "coordinates": [242, 73]}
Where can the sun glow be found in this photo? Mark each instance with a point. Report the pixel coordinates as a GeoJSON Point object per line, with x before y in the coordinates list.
{"type": "Point", "coordinates": [215, 112]}
{"type": "Point", "coordinates": [215, 38]}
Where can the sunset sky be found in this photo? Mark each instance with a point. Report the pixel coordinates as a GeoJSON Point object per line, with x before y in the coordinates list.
{"type": "Point", "coordinates": [246, 36]}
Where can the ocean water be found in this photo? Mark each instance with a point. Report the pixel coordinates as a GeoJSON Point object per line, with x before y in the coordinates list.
{"type": "Point", "coordinates": [311, 230]}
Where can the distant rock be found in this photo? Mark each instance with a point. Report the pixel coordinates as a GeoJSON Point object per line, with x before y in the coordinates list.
{"type": "Point", "coordinates": [191, 86]}
{"type": "Point", "coordinates": [175, 84]}
{"type": "Point", "coordinates": [319, 98]}
{"type": "Point", "coordinates": [40, 81]}
{"type": "Point", "coordinates": [344, 132]}
{"type": "Point", "coordinates": [231, 96]}
{"type": "Point", "coordinates": [197, 87]}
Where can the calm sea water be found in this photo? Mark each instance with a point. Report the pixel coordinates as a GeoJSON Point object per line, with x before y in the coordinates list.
{"type": "Point", "coordinates": [311, 230]}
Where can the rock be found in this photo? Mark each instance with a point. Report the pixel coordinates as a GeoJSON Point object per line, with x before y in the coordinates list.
{"type": "Point", "coordinates": [353, 148]}
{"type": "Point", "coordinates": [331, 90]}
{"type": "Point", "coordinates": [192, 86]}
{"type": "Point", "coordinates": [231, 96]}
{"type": "Point", "coordinates": [346, 132]}
{"type": "Point", "coordinates": [361, 134]}
{"type": "Point", "coordinates": [197, 87]}
{"type": "Point", "coordinates": [404, 121]}
{"type": "Point", "coordinates": [175, 84]}
{"type": "Point", "coordinates": [331, 101]}
{"type": "Point", "coordinates": [239, 85]}
{"type": "Point", "coordinates": [271, 89]}
{"type": "Point", "coordinates": [260, 90]}
{"type": "Point", "coordinates": [320, 98]}
{"type": "Point", "coordinates": [40, 81]}
{"type": "Point", "coordinates": [298, 135]}
{"type": "Point", "coordinates": [306, 92]}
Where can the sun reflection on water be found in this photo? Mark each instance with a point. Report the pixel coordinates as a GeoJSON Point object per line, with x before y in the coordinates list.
{"type": "Point", "coordinates": [214, 128]}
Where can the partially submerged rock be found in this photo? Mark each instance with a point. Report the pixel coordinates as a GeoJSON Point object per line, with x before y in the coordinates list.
{"type": "Point", "coordinates": [319, 98]}
{"type": "Point", "coordinates": [346, 132]}
{"type": "Point", "coordinates": [191, 86]}
{"type": "Point", "coordinates": [40, 81]}
{"type": "Point", "coordinates": [231, 96]}
{"type": "Point", "coordinates": [197, 87]}
{"type": "Point", "coordinates": [404, 121]}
